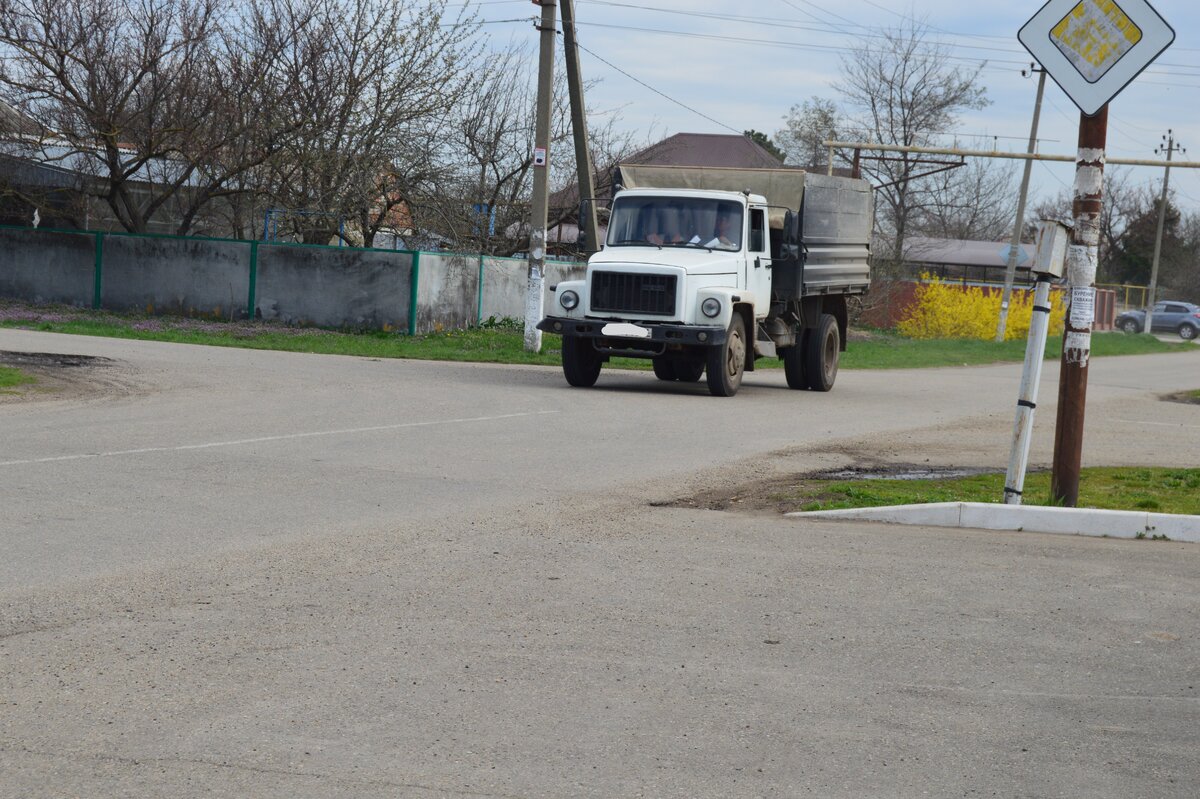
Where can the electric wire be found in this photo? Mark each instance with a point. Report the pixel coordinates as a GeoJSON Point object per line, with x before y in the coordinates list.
{"type": "Point", "coordinates": [1188, 70]}
{"type": "Point", "coordinates": [664, 95]}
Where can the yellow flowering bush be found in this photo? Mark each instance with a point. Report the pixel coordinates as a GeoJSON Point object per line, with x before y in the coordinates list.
{"type": "Point", "coordinates": [946, 310]}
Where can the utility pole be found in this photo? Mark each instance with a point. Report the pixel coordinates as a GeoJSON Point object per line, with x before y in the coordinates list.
{"type": "Point", "coordinates": [1162, 215]}
{"type": "Point", "coordinates": [583, 155]}
{"type": "Point", "coordinates": [1083, 255]}
{"type": "Point", "coordinates": [1010, 271]}
{"type": "Point", "coordinates": [534, 296]}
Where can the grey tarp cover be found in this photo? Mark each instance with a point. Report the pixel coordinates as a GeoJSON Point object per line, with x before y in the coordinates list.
{"type": "Point", "coordinates": [836, 209]}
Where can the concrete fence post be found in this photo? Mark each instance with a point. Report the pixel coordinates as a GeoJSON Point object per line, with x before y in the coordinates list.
{"type": "Point", "coordinates": [98, 271]}
{"type": "Point", "coordinates": [250, 298]}
{"type": "Point", "coordinates": [479, 302]}
{"type": "Point", "coordinates": [414, 278]}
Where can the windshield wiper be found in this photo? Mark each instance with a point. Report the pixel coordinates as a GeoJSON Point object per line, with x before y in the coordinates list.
{"type": "Point", "coordinates": [638, 241]}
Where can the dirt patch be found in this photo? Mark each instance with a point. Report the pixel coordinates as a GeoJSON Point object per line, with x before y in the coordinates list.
{"type": "Point", "coordinates": [1186, 397]}
{"type": "Point", "coordinates": [65, 377]}
{"type": "Point", "coordinates": [788, 493]}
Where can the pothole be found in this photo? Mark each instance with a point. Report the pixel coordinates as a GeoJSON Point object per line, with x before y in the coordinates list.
{"type": "Point", "coordinates": [49, 360]}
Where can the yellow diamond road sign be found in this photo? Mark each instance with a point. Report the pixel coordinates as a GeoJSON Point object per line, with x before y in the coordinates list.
{"type": "Point", "coordinates": [1094, 48]}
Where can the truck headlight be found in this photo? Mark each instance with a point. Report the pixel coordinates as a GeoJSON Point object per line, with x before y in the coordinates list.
{"type": "Point", "coordinates": [711, 307]}
{"type": "Point", "coordinates": [568, 300]}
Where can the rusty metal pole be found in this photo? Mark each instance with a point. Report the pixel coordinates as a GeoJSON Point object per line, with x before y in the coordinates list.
{"type": "Point", "coordinates": [856, 169]}
{"type": "Point", "coordinates": [1082, 259]}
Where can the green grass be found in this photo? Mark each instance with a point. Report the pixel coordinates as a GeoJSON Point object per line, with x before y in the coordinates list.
{"type": "Point", "coordinates": [504, 342]}
{"type": "Point", "coordinates": [890, 351]}
{"type": "Point", "coordinates": [11, 377]}
{"type": "Point", "coordinates": [1159, 490]}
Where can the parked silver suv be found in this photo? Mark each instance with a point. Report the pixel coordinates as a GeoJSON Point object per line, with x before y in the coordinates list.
{"type": "Point", "coordinates": [1169, 317]}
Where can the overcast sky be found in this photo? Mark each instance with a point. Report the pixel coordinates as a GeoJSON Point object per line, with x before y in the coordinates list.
{"type": "Point", "coordinates": [744, 64]}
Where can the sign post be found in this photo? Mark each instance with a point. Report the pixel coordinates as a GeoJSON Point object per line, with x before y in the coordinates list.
{"type": "Point", "coordinates": [1048, 265]}
{"type": "Point", "coordinates": [1092, 49]}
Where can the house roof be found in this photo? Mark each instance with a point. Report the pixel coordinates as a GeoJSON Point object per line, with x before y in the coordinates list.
{"type": "Point", "coordinates": [683, 149]}
{"type": "Point", "coordinates": [706, 149]}
{"type": "Point", "coordinates": [13, 121]}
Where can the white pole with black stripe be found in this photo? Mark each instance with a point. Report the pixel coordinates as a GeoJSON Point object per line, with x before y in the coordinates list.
{"type": "Point", "coordinates": [1048, 265]}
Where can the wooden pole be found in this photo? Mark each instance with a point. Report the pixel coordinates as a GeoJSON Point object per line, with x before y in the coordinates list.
{"type": "Point", "coordinates": [1083, 255]}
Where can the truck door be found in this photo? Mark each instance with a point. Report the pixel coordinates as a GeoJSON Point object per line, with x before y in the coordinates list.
{"type": "Point", "coordinates": [758, 262]}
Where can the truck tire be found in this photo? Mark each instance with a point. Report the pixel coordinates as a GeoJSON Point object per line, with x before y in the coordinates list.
{"type": "Point", "coordinates": [793, 362]}
{"type": "Point", "coordinates": [689, 370]}
{"type": "Point", "coordinates": [664, 368]}
{"type": "Point", "coordinates": [727, 362]}
{"type": "Point", "coordinates": [580, 361]}
{"type": "Point", "coordinates": [821, 353]}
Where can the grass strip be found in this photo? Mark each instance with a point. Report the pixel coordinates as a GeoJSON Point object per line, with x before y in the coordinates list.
{"type": "Point", "coordinates": [11, 377]}
{"type": "Point", "coordinates": [503, 342]}
{"type": "Point", "coordinates": [1158, 490]}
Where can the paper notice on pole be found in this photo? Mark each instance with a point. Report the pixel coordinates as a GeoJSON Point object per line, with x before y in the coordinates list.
{"type": "Point", "coordinates": [1083, 306]}
{"type": "Point", "coordinates": [1077, 347]}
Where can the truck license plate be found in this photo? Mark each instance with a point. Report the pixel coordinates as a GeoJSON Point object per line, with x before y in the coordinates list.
{"type": "Point", "coordinates": [625, 330]}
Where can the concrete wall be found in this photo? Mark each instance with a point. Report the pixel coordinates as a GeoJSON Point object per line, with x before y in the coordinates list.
{"type": "Point", "coordinates": [334, 287]}
{"type": "Point", "coordinates": [448, 292]}
{"type": "Point", "coordinates": [190, 277]}
{"type": "Point", "coordinates": [41, 266]}
{"type": "Point", "coordinates": [505, 281]}
{"type": "Point", "coordinates": [323, 286]}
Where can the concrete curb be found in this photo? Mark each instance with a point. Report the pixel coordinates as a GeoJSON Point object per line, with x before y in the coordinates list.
{"type": "Point", "coordinates": [988, 516]}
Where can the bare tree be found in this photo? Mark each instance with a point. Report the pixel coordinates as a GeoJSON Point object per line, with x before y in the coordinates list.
{"type": "Point", "coordinates": [974, 202]}
{"type": "Point", "coordinates": [162, 106]}
{"type": "Point", "coordinates": [806, 127]}
{"type": "Point", "coordinates": [483, 204]}
{"type": "Point", "coordinates": [116, 89]}
{"type": "Point", "coordinates": [367, 80]}
{"type": "Point", "coordinates": [903, 89]}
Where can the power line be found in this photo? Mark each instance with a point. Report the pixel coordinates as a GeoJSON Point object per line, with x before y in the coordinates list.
{"type": "Point", "coordinates": [780, 44]}
{"type": "Point", "coordinates": [656, 91]}
{"type": "Point", "coordinates": [879, 33]}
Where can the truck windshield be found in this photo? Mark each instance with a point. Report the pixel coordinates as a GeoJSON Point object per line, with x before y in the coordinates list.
{"type": "Point", "coordinates": [676, 221]}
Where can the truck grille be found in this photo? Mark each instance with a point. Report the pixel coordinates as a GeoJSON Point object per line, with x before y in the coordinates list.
{"type": "Point", "coordinates": [623, 292]}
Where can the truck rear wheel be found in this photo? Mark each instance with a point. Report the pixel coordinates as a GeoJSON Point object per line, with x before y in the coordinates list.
{"type": "Point", "coordinates": [580, 361]}
{"type": "Point", "coordinates": [793, 361]}
{"type": "Point", "coordinates": [727, 362]}
{"type": "Point", "coordinates": [821, 353]}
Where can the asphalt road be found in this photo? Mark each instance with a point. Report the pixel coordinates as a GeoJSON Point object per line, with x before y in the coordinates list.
{"type": "Point", "coordinates": [238, 573]}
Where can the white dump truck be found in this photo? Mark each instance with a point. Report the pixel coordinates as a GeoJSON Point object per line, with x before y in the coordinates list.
{"type": "Point", "coordinates": [705, 270]}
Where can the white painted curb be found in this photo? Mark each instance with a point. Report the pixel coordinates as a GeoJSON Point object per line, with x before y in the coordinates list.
{"type": "Point", "coordinates": [988, 516]}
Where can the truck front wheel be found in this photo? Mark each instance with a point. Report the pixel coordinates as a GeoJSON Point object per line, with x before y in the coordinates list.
{"type": "Point", "coordinates": [821, 353]}
{"type": "Point", "coordinates": [580, 361]}
{"type": "Point", "coordinates": [727, 362]}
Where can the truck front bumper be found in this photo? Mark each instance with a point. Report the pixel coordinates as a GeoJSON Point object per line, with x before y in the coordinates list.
{"type": "Point", "coordinates": [625, 332]}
